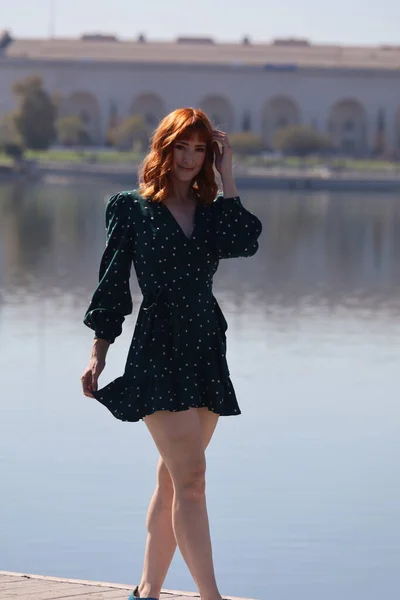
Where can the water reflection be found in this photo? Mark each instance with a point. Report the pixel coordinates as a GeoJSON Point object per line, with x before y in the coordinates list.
{"type": "Point", "coordinates": [304, 502]}
{"type": "Point", "coordinates": [317, 249]}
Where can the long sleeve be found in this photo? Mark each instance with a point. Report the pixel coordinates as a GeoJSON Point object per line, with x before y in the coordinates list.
{"type": "Point", "coordinates": [235, 229]}
{"type": "Point", "coordinates": [112, 300]}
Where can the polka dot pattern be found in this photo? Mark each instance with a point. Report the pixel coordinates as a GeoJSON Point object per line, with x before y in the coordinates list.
{"type": "Point", "coordinates": [177, 357]}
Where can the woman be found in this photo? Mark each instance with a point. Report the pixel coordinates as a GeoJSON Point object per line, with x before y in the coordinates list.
{"type": "Point", "coordinates": [174, 229]}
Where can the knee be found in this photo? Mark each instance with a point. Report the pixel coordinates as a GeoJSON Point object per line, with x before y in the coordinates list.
{"type": "Point", "coordinates": [165, 488]}
{"type": "Point", "coordinates": [192, 482]}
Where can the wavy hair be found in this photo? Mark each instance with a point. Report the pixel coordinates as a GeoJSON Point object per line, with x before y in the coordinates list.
{"type": "Point", "coordinates": [155, 181]}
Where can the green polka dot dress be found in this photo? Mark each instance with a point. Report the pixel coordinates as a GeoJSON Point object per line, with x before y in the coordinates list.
{"type": "Point", "coordinates": [177, 358]}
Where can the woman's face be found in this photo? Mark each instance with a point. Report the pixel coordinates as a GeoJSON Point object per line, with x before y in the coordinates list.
{"type": "Point", "coordinates": [188, 158]}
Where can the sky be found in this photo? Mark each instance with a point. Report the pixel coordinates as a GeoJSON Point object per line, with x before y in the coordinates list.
{"type": "Point", "coordinates": [336, 21]}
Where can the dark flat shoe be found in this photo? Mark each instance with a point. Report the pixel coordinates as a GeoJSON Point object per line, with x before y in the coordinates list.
{"type": "Point", "coordinates": [135, 594]}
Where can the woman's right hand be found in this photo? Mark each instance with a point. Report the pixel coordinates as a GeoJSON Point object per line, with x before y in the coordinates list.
{"type": "Point", "coordinates": [91, 375]}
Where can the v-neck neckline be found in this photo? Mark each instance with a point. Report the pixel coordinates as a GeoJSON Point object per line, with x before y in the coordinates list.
{"type": "Point", "coordinates": [195, 218]}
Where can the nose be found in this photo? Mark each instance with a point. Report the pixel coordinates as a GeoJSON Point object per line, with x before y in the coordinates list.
{"type": "Point", "coordinates": [188, 158]}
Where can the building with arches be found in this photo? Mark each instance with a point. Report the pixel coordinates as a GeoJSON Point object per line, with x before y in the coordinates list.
{"type": "Point", "coordinates": [348, 93]}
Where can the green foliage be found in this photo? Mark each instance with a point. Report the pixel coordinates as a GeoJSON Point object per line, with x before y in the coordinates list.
{"type": "Point", "coordinates": [35, 118]}
{"type": "Point", "coordinates": [10, 139]}
{"type": "Point", "coordinates": [132, 131]}
{"type": "Point", "coordinates": [70, 131]}
{"type": "Point", "coordinates": [246, 121]}
{"type": "Point", "coordinates": [14, 151]}
{"type": "Point", "coordinates": [380, 145]}
{"type": "Point", "coordinates": [246, 142]}
{"type": "Point", "coordinates": [300, 140]}
{"type": "Point", "coordinates": [9, 133]}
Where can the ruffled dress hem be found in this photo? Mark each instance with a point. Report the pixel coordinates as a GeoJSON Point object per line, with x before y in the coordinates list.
{"type": "Point", "coordinates": [117, 398]}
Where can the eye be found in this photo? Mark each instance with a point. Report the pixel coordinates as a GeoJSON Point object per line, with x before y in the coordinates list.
{"type": "Point", "coordinates": [200, 149]}
{"type": "Point", "coordinates": [179, 146]}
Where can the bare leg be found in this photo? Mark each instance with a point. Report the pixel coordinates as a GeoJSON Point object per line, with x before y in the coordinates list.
{"type": "Point", "coordinates": [161, 542]}
{"type": "Point", "coordinates": [178, 437]}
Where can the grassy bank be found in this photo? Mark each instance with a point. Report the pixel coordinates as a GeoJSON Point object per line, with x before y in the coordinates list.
{"type": "Point", "coordinates": [114, 157]}
{"type": "Point", "coordinates": [349, 164]}
{"type": "Point", "coordinates": [103, 157]}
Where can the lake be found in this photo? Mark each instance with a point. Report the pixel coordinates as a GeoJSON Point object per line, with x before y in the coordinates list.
{"type": "Point", "coordinates": [303, 487]}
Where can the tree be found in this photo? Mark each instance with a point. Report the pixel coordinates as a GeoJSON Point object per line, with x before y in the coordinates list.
{"type": "Point", "coordinates": [131, 130]}
{"type": "Point", "coordinates": [380, 138]}
{"type": "Point", "coordinates": [246, 142]}
{"type": "Point", "coordinates": [300, 140]}
{"type": "Point", "coordinates": [246, 121]}
{"type": "Point", "coordinates": [113, 122]}
{"type": "Point", "coordinates": [35, 119]}
{"type": "Point", "coordinates": [14, 151]}
{"type": "Point", "coordinates": [70, 130]}
{"type": "Point", "coordinates": [9, 133]}
{"type": "Point", "coordinates": [10, 139]}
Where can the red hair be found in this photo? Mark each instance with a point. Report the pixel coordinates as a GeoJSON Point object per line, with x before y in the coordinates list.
{"type": "Point", "coordinates": [155, 172]}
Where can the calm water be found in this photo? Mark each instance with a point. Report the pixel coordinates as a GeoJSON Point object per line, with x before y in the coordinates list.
{"type": "Point", "coordinates": [303, 487]}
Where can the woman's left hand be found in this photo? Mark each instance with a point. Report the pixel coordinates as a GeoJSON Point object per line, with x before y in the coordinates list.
{"type": "Point", "coordinates": [223, 158]}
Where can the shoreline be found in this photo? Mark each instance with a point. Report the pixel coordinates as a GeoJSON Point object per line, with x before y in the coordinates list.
{"type": "Point", "coordinates": [321, 179]}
